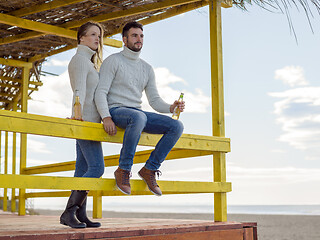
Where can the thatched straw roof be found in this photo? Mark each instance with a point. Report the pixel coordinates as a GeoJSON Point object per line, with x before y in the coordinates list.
{"type": "Point", "coordinates": [31, 30]}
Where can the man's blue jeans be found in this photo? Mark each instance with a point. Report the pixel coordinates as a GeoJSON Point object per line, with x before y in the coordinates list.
{"type": "Point", "coordinates": [90, 162]}
{"type": "Point", "coordinates": [136, 121]}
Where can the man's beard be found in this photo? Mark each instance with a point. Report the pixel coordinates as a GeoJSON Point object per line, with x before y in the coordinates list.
{"type": "Point", "coordinates": [133, 48]}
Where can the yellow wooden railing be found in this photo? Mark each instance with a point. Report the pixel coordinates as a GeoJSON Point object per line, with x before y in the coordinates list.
{"type": "Point", "coordinates": [187, 146]}
{"type": "Point", "coordinates": [24, 123]}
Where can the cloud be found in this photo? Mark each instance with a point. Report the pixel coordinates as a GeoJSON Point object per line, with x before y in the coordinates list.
{"type": "Point", "coordinates": [285, 175]}
{"type": "Point", "coordinates": [37, 146]}
{"type": "Point", "coordinates": [56, 63]}
{"type": "Point", "coordinates": [298, 112]}
{"type": "Point", "coordinates": [196, 102]}
{"type": "Point", "coordinates": [33, 145]}
{"type": "Point", "coordinates": [53, 98]}
{"type": "Point", "coordinates": [299, 115]}
{"type": "Point", "coordinates": [291, 75]}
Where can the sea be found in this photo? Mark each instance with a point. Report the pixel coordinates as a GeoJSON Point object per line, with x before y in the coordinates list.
{"type": "Point", "coordinates": [231, 209]}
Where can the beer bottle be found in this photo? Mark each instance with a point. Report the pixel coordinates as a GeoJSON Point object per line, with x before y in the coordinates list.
{"type": "Point", "coordinates": [77, 107]}
{"type": "Point", "coordinates": [176, 111]}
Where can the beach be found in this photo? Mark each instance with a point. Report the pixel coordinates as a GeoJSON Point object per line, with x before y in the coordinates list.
{"type": "Point", "coordinates": [270, 227]}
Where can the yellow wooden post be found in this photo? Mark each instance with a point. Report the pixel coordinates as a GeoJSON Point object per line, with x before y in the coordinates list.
{"type": "Point", "coordinates": [219, 165]}
{"type": "Point", "coordinates": [0, 150]}
{"type": "Point", "coordinates": [23, 138]}
{"type": "Point", "coordinates": [14, 163]}
{"type": "Point", "coordinates": [5, 191]}
{"type": "Point", "coordinates": [97, 204]}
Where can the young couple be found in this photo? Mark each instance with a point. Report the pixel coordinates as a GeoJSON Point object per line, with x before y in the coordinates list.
{"type": "Point", "coordinates": [114, 96]}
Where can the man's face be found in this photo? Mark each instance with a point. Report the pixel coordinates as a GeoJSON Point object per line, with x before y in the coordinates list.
{"type": "Point", "coordinates": [134, 40]}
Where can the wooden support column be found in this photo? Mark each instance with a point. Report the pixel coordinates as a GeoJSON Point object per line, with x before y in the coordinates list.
{"type": "Point", "coordinates": [0, 152]}
{"type": "Point", "coordinates": [14, 162]}
{"type": "Point", "coordinates": [218, 124]}
{"type": "Point", "coordinates": [23, 138]}
{"type": "Point", "coordinates": [5, 191]}
{"type": "Point", "coordinates": [97, 204]}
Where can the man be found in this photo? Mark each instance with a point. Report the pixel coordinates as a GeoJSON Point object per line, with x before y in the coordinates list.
{"type": "Point", "coordinates": [123, 78]}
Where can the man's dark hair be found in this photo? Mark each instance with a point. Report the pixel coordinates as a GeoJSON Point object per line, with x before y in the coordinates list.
{"type": "Point", "coordinates": [129, 25]}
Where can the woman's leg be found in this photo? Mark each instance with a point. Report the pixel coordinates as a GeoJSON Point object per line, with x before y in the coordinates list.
{"type": "Point", "coordinates": [90, 158]}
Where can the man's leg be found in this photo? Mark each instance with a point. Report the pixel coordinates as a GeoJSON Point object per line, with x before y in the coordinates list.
{"type": "Point", "coordinates": [171, 130]}
{"type": "Point", "coordinates": [133, 121]}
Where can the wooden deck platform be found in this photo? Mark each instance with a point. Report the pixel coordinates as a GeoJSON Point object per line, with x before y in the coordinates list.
{"type": "Point", "coordinates": [38, 227]}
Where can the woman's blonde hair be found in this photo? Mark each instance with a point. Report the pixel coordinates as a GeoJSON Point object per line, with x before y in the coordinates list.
{"type": "Point", "coordinates": [82, 31]}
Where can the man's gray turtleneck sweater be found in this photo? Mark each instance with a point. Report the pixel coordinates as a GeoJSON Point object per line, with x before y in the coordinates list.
{"type": "Point", "coordinates": [123, 77]}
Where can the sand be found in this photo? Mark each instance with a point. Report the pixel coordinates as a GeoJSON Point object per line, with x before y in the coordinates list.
{"type": "Point", "coordinates": [270, 227]}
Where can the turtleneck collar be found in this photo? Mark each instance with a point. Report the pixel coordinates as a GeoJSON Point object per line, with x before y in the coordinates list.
{"type": "Point", "coordinates": [130, 54]}
{"type": "Point", "coordinates": [85, 50]}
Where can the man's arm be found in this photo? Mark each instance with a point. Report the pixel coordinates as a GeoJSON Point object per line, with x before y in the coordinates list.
{"type": "Point", "coordinates": [107, 74]}
{"type": "Point", "coordinates": [154, 99]}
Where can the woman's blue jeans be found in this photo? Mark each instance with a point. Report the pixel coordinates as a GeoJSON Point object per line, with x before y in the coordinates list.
{"type": "Point", "coordinates": [136, 121]}
{"type": "Point", "coordinates": [90, 162]}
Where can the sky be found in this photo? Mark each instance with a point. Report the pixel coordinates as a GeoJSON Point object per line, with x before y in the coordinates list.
{"type": "Point", "coordinates": [272, 103]}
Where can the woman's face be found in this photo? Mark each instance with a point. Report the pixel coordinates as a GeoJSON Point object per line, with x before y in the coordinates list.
{"type": "Point", "coordinates": [92, 38]}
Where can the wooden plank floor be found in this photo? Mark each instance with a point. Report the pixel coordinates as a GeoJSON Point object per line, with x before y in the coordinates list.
{"type": "Point", "coordinates": [41, 227]}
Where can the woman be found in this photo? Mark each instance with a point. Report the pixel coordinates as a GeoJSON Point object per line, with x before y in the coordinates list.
{"type": "Point", "coordinates": [84, 77]}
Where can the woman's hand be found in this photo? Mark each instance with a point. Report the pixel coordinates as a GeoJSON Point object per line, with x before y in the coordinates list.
{"type": "Point", "coordinates": [109, 126]}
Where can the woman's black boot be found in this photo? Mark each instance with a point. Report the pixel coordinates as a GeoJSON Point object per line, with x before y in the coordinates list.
{"type": "Point", "coordinates": [81, 214]}
{"type": "Point", "coordinates": [75, 201]}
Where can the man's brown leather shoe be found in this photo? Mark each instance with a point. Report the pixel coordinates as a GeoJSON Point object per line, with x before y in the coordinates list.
{"type": "Point", "coordinates": [123, 180]}
{"type": "Point", "coordinates": [148, 176]}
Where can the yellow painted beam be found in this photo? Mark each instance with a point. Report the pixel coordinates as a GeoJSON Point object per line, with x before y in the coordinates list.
{"type": "Point", "coordinates": [121, 14]}
{"type": "Point", "coordinates": [67, 128]}
{"type": "Point", "coordinates": [14, 164]}
{"type": "Point", "coordinates": [15, 86]}
{"type": "Point", "coordinates": [6, 156]}
{"type": "Point", "coordinates": [226, 3]}
{"type": "Point", "coordinates": [19, 80]}
{"type": "Point", "coordinates": [97, 204]}
{"type": "Point", "coordinates": [47, 28]}
{"type": "Point", "coordinates": [30, 82]}
{"type": "Point", "coordinates": [51, 53]}
{"type": "Point", "coordinates": [15, 63]}
{"type": "Point", "coordinates": [103, 193]}
{"type": "Point", "coordinates": [109, 16]}
{"type": "Point", "coordinates": [23, 137]}
{"type": "Point", "coordinates": [173, 12]}
{"type": "Point", "coordinates": [106, 185]}
{"type": "Point", "coordinates": [43, 7]}
{"type": "Point", "coordinates": [7, 94]}
{"type": "Point", "coordinates": [20, 37]}
{"type": "Point", "coordinates": [218, 124]}
{"type": "Point", "coordinates": [37, 26]}
{"type": "Point", "coordinates": [0, 150]}
{"type": "Point", "coordinates": [140, 157]}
